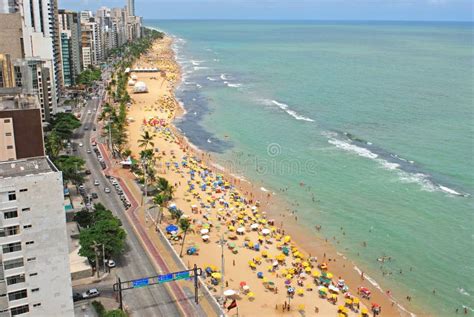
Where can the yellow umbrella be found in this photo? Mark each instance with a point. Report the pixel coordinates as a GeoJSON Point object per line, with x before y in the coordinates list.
{"type": "Point", "coordinates": [287, 239]}
{"type": "Point", "coordinates": [297, 260]}
{"type": "Point", "coordinates": [364, 311]}
{"type": "Point", "coordinates": [316, 274]}
{"type": "Point", "coordinates": [355, 300]}
{"type": "Point", "coordinates": [269, 268]}
{"type": "Point", "coordinates": [307, 269]}
{"type": "Point", "coordinates": [280, 257]}
{"type": "Point", "coordinates": [283, 271]}
{"type": "Point", "coordinates": [301, 307]}
{"type": "Point", "coordinates": [300, 291]}
{"type": "Point", "coordinates": [216, 275]}
{"type": "Point", "coordinates": [264, 253]}
{"type": "Point", "coordinates": [213, 268]}
{"type": "Point", "coordinates": [305, 264]}
{"type": "Point", "coordinates": [292, 270]}
{"type": "Point", "coordinates": [348, 301]}
{"type": "Point", "coordinates": [289, 276]}
{"type": "Point", "coordinates": [329, 275]}
{"type": "Point", "coordinates": [231, 228]}
{"type": "Point", "coordinates": [250, 295]}
{"type": "Point", "coordinates": [264, 280]}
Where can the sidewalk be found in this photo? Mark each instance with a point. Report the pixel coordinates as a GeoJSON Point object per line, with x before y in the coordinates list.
{"type": "Point", "coordinates": [163, 256]}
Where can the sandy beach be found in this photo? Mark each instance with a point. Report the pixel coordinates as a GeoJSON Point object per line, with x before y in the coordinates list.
{"type": "Point", "coordinates": [258, 239]}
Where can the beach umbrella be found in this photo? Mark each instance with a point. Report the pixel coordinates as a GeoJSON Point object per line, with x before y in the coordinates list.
{"type": "Point", "coordinates": [287, 282]}
{"type": "Point", "coordinates": [216, 275]}
{"type": "Point", "coordinates": [229, 292]}
{"type": "Point", "coordinates": [307, 269]}
{"type": "Point", "coordinates": [231, 245]}
{"type": "Point", "coordinates": [300, 291]}
{"type": "Point", "coordinates": [316, 274]}
{"type": "Point", "coordinates": [246, 287]}
{"type": "Point", "coordinates": [329, 275]}
{"type": "Point", "coordinates": [364, 310]}
{"type": "Point", "coordinates": [204, 231]}
{"type": "Point", "coordinates": [254, 226]}
{"type": "Point", "coordinates": [250, 295]}
{"type": "Point", "coordinates": [290, 290]}
{"type": "Point", "coordinates": [275, 263]}
{"type": "Point", "coordinates": [333, 289]}
{"type": "Point", "coordinates": [287, 239]}
{"type": "Point", "coordinates": [348, 301]}
{"type": "Point", "coordinates": [171, 228]}
{"type": "Point", "coordinates": [260, 274]}
{"type": "Point", "coordinates": [305, 263]}
{"type": "Point", "coordinates": [265, 231]}
{"type": "Point", "coordinates": [322, 289]}
{"type": "Point", "coordinates": [243, 283]}
{"type": "Point", "coordinates": [205, 237]}
{"type": "Point", "coordinates": [241, 230]}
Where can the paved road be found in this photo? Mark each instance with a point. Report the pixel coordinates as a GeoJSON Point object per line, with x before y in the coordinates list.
{"type": "Point", "coordinates": [135, 263]}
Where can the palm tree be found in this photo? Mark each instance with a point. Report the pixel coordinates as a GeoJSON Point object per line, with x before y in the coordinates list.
{"type": "Point", "coordinates": [146, 140]}
{"type": "Point", "coordinates": [184, 225]}
{"type": "Point", "coordinates": [164, 195]}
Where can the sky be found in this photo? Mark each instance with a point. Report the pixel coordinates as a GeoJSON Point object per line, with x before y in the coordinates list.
{"type": "Point", "coordinates": [418, 10]}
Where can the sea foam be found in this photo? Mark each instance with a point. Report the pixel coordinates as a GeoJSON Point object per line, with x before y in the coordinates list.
{"type": "Point", "coordinates": [286, 108]}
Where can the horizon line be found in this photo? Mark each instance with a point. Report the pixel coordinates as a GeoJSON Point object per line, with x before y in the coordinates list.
{"type": "Point", "coordinates": [303, 20]}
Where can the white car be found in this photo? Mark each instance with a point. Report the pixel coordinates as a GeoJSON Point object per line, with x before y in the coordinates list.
{"type": "Point", "coordinates": [96, 183]}
{"type": "Point", "coordinates": [80, 144]}
{"type": "Point", "coordinates": [89, 112]}
{"type": "Point", "coordinates": [93, 292]}
{"type": "Point", "coordinates": [111, 263]}
{"type": "Point", "coordinates": [89, 151]}
{"type": "Point", "coordinates": [107, 190]}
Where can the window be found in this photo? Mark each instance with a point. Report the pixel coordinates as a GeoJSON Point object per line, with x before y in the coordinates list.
{"type": "Point", "coordinates": [9, 147]}
{"type": "Point", "coordinates": [35, 289]}
{"type": "Point", "coordinates": [31, 259]}
{"type": "Point", "coordinates": [17, 295]}
{"type": "Point", "coordinates": [27, 227]}
{"type": "Point", "coordinates": [15, 279]}
{"type": "Point", "coordinates": [11, 247]}
{"type": "Point", "coordinates": [9, 231]}
{"type": "Point", "coordinates": [10, 214]}
{"type": "Point", "coordinates": [19, 310]}
{"type": "Point", "coordinates": [11, 264]}
{"type": "Point", "coordinates": [6, 120]}
{"type": "Point", "coordinates": [25, 209]}
{"type": "Point", "coordinates": [33, 274]}
{"type": "Point", "coordinates": [37, 304]}
{"type": "Point", "coordinates": [11, 195]}
{"type": "Point", "coordinates": [23, 190]}
{"type": "Point", "coordinates": [8, 134]}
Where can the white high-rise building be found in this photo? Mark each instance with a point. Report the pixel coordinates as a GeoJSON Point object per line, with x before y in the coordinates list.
{"type": "Point", "coordinates": [131, 7]}
{"type": "Point", "coordinates": [34, 263]}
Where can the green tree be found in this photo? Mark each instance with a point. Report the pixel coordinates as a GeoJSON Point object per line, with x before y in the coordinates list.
{"type": "Point", "coordinates": [64, 125]}
{"type": "Point", "coordinates": [72, 168]}
{"type": "Point", "coordinates": [84, 218]}
{"type": "Point", "coordinates": [107, 232]}
{"type": "Point", "coordinates": [184, 224]}
{"type": "Point", "coordinates": [146, 140]}
{"type": "Point", "coordinates": [53, 144]}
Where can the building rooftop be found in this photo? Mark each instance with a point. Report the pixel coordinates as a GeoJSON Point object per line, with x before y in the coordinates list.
{"type": "Point", "coordinates": [24, 167]}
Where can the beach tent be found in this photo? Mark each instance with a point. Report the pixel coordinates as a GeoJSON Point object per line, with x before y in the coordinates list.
{"type": "Point", "coordinates": [140, 87]}
{"type": "Point", "coordinates": [131, 82]}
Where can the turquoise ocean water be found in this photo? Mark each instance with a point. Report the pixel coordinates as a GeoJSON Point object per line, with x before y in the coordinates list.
{"type": "Point", "coordinates": [377, 121]}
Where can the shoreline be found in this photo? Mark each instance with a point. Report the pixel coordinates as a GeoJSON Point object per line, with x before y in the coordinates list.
{"type": "Point", "coordinates": [305, 238]}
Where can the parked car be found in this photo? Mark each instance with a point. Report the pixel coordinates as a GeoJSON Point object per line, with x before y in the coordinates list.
{"type": "Point", "coordinates": [111, 263]}
{"type": "Point", "coordinates": [96, 183]}
{"type": "Point", "coordinates": [107, 190]}
{"type": "Point", "coordinates": [88, 172]}
{"type": "Point", "coordinates": [89, 151]}
{"type": "Point", "coordinates": [80, 144]}
{"type": "Point", "coordinates": [94, 195]}
{"type": "Point", "coordinates": [76, 297]}
{"type": "Point", "coordinates": [93, 292]}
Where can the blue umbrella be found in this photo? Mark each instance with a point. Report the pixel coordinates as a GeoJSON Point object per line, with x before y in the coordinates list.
{"type": "Point", "coordinates": [171, 228]}
{"type": "Point", "coordinates": [260, 275]}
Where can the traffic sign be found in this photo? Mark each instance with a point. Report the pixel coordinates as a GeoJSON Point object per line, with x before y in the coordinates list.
{"type": "Point", "coordinates": [140, 283]}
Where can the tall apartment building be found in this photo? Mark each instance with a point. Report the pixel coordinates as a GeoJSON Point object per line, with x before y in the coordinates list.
{"type": "Point", "coordinates": [34, 262]}
{"type": "Point", "coordinates": [21, 132]}
{"type": "Point", "coordinates": [28, 29]}
{"type": "Point", "coordinates": [71, 48]}
{"type": "Point", "coordinates": [131, 7]}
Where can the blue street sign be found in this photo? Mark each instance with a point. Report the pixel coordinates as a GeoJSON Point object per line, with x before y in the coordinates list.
{"type": "Point", "coordinates": [174, 277]}
{"type": "Point", "coordinates": [140, 283]}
